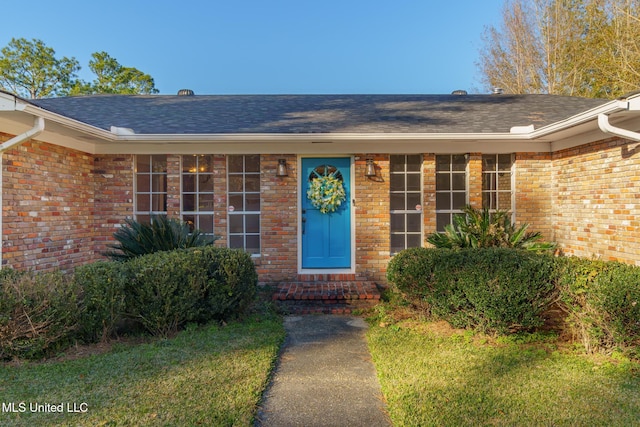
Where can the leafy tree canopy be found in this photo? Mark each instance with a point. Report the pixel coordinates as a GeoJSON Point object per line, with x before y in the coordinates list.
{"type": "Point", "coordinates": [30, 69]}
{"type": "Point", "coordinates": [585, 48]}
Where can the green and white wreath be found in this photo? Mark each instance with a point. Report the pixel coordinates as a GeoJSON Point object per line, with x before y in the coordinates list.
{"type": "Point", "coordinates": [326, 193]}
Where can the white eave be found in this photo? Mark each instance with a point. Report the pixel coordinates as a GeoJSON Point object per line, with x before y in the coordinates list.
{"type": "Point", "coordinates": [575, 130]}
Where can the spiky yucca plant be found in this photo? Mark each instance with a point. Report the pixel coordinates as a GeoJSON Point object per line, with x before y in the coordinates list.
{"type": "Point", "coordinates": [161, 234]}
{"type": "Point", "coordinates": [477, 228]}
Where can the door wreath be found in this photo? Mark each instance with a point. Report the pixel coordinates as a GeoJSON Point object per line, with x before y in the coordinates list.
{"type": "Point", "coordinates": [326, 192]}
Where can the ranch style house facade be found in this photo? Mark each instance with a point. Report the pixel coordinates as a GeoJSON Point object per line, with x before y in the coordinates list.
{"type": "Point", "coordinates": [245, 168]}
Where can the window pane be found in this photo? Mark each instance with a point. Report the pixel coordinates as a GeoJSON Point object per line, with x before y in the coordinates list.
{"type": "Point", "coordinates": [397, 243]}
{"type": "Point", "coordinates": [442, 219]}
{"type": "Point", "coordinates": [504, 201]}
{"type": "Point", "coordinates": [253, 244]}
{"type": "Point", "coordinates": [158, 202]}
{"type": "Point", "coordinates": [459, 162]}
{"type": "Point", "coordinates": [188, 202]}
{"type": "Point", "coordinates": [413, 200]}
{"type": "Point", "coordinates": [504, 181]}
{"type": "Point", "coordinates": [205, 183]}
{"type": "Point", "coordinates": [443, 163]}
{"type": "Point", "coordinates": [236, 200]}
{"type": "Point", "coordinates": [252, 223]}
{"type": "Point", "coordinates": [143, 219]}
{"type": "Point", "coordinates": [205, 202]}
{"type": "Point", "coordinates": [413, 241]}
{"type": "Point", "coordinates": [235, 164]}
{"type": "Point", "coordinates": [397, 223]}
{"type": "Point", "coordinates": [236, 224]}
{"type": "Point", "coordinates": [159, 163]}
{"type": "Point", "coordinates": [397, 201]}
{"type": "Point", "coordinates": [205, 223]}
{"type": "Point", "coordinates": [143, 202]}
{"type": "Point", "coordinates": [235, 183]}
{"type": "Point", "coordinates": [413, 182]}
{"type": "Point", "coordinates": [189, 164]}
{"type": "Point", "coordinates": [489, 163]}
{"type": "Point", "coordinates": [443, 201]}
{"type": "Point", "coordinates": [489, 200]}
{"type": "Point", "coordinates": [205, 163]}
{"type": "Point", "coordinates": [252, 163]}
{"type": "Point", "coordinates": [189, 183]}
{"type": "Point", "coordinates": [443, 181]}
{"type": "Point", "coordinates": [397, 182]}
{"type": "Point", "coordinates": [504, 162]}
{"type": "Point", "coordinates": [190, 220]}
{"type": "Point", "coordinates": [414, 162]}
{"type": "Point", "coordinates": [414, 222]}
{"type": "Point", "coordinates": [252, 183]}
{"type": "Point", "coordinates": [488, 181]}
{"type": "Point", "coordinates": [158, 183]}
{"type": "Point", "coordinates": [143, 183]}
{"type": "Point", "coordinates": [459, 181]}
{"type": "Point", "coordinates": [143, 164]}
{"type": "Point", "coordinates": [236, 242]}
{"type": "Point", "coordinates": [252, 202]}
{"type": "Point", "coordinates": [459, 200]}
{"type": "Point", "coordinates": [397, 163]}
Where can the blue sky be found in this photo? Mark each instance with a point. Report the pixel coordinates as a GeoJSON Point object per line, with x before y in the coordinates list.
{"type": "Point", "coordinates": [270, 46]}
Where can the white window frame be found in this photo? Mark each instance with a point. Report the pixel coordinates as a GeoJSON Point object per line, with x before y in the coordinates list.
{"type": "Point", "coordinates": [150, 213]}
{"type": "Point", "coordinates": [234, 211]}
{"type": "Point", "coordinates": [197, 212]}
{"type": "Point", "coordinates": [496, 181]}
{"type": "Point", "coordinates": [451, 211]}
{"type": "Point", "coordinates": [407, 209]}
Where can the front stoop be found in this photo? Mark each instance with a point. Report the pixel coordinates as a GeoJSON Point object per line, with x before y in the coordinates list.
{"type": "Point", "coordinates": [328, 297]}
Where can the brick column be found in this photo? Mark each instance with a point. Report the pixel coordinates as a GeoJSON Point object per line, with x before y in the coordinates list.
{"type": "Point", "coordinates": [475, 180]}
{"type": "Point", "coordinates": [173, 186]}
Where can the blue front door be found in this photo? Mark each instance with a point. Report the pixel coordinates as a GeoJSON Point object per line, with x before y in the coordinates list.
{"type": "Point", "coordinates": [326, 237]}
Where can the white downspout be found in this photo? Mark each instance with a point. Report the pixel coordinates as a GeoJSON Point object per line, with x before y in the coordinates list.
{"type": "Point", "coordinates": [605, 126]}
{"type": "Point", "coordinates": [38, 127]}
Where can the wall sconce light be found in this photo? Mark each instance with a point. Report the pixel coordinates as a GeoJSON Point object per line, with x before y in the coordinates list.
{"type": "Point", "coordinates": [370, 169]}
{"type": "Point", "coordinates": [281, 171]}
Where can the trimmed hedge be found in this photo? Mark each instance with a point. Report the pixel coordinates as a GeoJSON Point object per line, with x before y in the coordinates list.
{"type": "Point", "coordinates": [103, 299]}
{"type": "Point", "coordinates": [490, 289]}
{"type": "Point", "coordinates": [166, 290]}
{"type": "Point", "coordinates": [602, 300]}
{"type": "Point", "coordinates": [38, 313]}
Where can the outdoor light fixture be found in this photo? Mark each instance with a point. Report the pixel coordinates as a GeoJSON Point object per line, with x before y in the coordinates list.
{"type": "Point", "coordinates": [282, 168]}
{"type": "Point", "coordinates": [370, 169]}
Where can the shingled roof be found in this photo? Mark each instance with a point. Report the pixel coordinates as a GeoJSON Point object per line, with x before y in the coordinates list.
{"type": "Point", "coordinates": [301, 114]}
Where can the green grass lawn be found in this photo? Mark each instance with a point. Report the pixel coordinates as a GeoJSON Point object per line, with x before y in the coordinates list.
{"type": "Point", "coordinates": [434, 377]}
{"type": "Point", "coordinates": [208, 376]}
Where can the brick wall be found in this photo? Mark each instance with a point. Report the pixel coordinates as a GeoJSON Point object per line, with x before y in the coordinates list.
{"type": "Point", "coordinates": [373, 231]}
{"type": "Point", "coordinates": [533, 192]}
{"type": "Point", "coordinates": [596, 207]}
{"type": "Point", "coordinates": [279, 220]}
{"type": "Point", "coordinates": [48, 202]}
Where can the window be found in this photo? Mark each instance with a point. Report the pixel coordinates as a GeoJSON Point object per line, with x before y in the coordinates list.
{"type": "Point", "coordinates": [197, 192]}
{"type": "Point", "coordinates": [497, 181]}
{"type": "Point", "coordinates": [451, 187]}
{"type": "Point", "coordinates": [243, 179]}
{"type": "Point", "coordinates": [406, 202]}
{"type": "Point", "coordinates": [150, 186]}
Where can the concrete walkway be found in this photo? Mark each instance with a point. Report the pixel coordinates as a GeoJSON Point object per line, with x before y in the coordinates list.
{"type": "Point", "coordinates": [325, 376]}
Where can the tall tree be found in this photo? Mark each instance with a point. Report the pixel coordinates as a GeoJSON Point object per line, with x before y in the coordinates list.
{"type": "Point", "coordinates": [111, 77]}
{"type": "Point", "coordinates": [30, 69]}
{"type": "Point", "coordinates": [570, 47]}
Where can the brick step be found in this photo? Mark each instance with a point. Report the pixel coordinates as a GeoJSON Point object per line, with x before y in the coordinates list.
{"type": "Point", "coordinates": [335, 297]}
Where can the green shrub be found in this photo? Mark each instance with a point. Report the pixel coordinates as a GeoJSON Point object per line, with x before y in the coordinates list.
{"type": "Point", "coordinates": [162, 234]}
{"type": "Point", "coordinates": [603, 302]}
{"type": "Point", "coordinates": [38, 313]}
{"type": "Point", "coordinates": [490, 289]}
{"type": "Point", "coordinates": [483, 229]}
{"type": "Point", "coordinates": [167, 290]}
{"type": "Point", "coordinates": [103, 299]}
